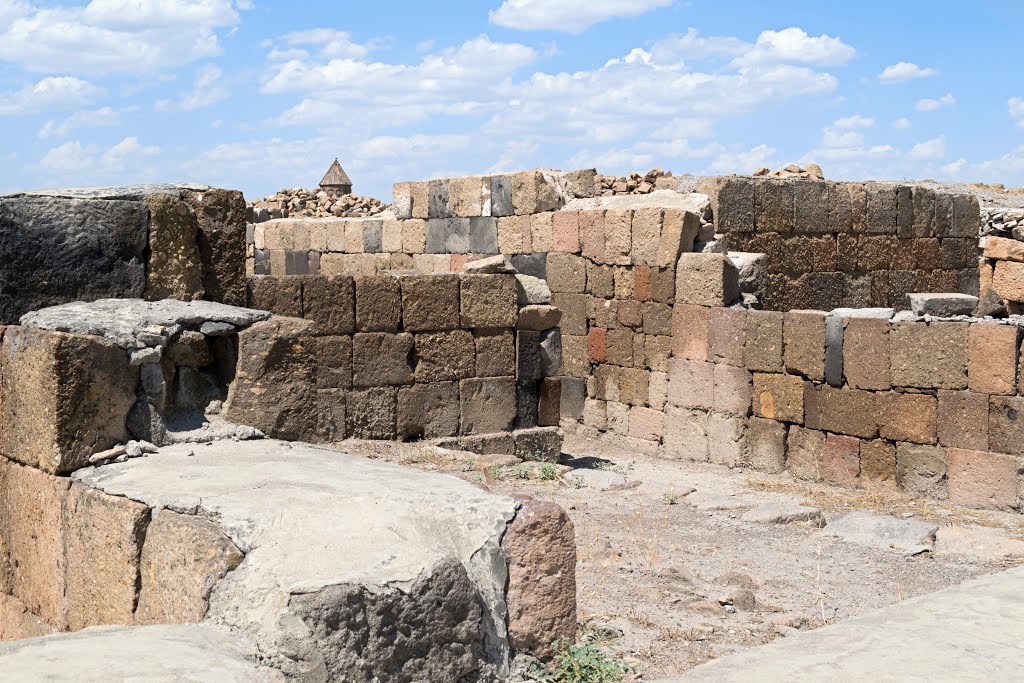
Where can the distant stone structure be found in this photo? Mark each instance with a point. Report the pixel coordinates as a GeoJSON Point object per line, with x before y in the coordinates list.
{"type": "Point", "coordinates": [336, 180]}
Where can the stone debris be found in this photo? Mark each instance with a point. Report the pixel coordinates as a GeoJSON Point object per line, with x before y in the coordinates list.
{"type": "Point", "coordinates": [811, 171]}
{"type": "Point", "coordinates": [881, 531]}
{"type": "Point", "coordinates": [634, 183]}
{"type": "Point", "coordinates": [301, 203]}
{"type": "Point", "coordinates": [783, 514]}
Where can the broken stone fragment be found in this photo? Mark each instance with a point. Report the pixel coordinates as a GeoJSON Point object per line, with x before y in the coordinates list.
{"type": "Point", "coordinates": [490, 266]}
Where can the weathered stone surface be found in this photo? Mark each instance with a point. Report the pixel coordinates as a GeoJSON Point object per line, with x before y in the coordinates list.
{"type": "Point", "coordinates": [929, 356]}
{"type": "Point", "coordinates": [1006, 424]}
{"type": "Point", "coordinates": [725, 439]}
{"type": "Point", "coordinates": [495, 353]}
{"type": "Point", "coordinates": [921, 470]}
{"type": "Point", "coordinates": [942, 305]}
{"type": "Point", "coordinates": [59, 249]}
{"type": "Point", "coordinates": [804, 337]}
{"type": "Point", "coordinates": [380, 358]}
{"type": "Point", "coordinates": [691, 331]}
{"type": "Point", "coordinates": [378, 303]}
{"type": "Point", "coordinates": [488, 405]}
{"type": "Point", "coordinates": [538, 317]}
{"type": "Point", "coordinates": [686, 434]}
{"type": "Point", "coordinates": [764, 445]}
{"type": "Point", "coordinates": [443, 356]}
{"type": "Point", "coordinates": [732, 390]}
{"type": "Point", "coordinates": [488, 301]}
{"type": "Point", "coordinates": [64, 397]}
{"type": "Point", "coordinates": [330, 303]}
{"type": "Point", "coordinates": [992, 358]}
{"type": "Point", "coordinates": [280, 296]}
{"type": "Point", "coordinates": [316, 505]}
{"type": "Point", "coordinates": [877, 464]}
{"type": "Point", "coordinates": [907, 417]}
{"type": "Point", "coordinates": [762, 350]}
{"type": "Point", "coordinates": [706, 280]}
{"type": "Point", "coordinates": [221, 239]}
{"type": "Point", "coordinates": [804, 452]}
{"type": "Point", "coordinates": [32, 559]}
{"type": "Point", "coordinates": [17, 623]}
{"type": "Point", "coordinates": [103, 538]}
{"type": "Point", "coordinates": [984, 480]}
{"type": "Point", "coordinates": [726, 335]}
{"type": "Point", "coordinates": [848, 411]}
{"type": "Point", "coordinates": [200, 654]}
{"type": "Point", "coordinates": [276, 380]}
{"type": "Point", "coordinates": [691, 384]}
{"type": "Point", "coordinates": [541, 546]}
{"type": "Point", "coordinates": [866, 353]}
{"type": "Point", "coordinates": [840, 460]}
{"type": "Point", "coordinates": [1009, 280]}
{"type": "Point", "coordinates": [779, 397]}
{"type": "Point", "coordinates": [881, 531]}
{"type": "Point", "coordinates": [174, 270]}
{"type": "Point", "coordinates": [372, 413]}
{"type": "Point", "coordinates": [963, 419]}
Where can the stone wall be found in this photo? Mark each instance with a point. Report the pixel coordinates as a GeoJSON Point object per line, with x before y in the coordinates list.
{"type": "Point", "coordinates": [832, 244]}
{"type": "Point", "coordinates": [149, 241]}
{"type": "Point", "coordinates": [401, 356]}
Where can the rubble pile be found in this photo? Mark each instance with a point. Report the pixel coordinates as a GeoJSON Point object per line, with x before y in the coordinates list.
{"type": "Point", "coordinates": [811, 171]}
{"type": "Point", "coordinates": [302, 203]}
{"type": "Point", "coordinates": [634, 183]}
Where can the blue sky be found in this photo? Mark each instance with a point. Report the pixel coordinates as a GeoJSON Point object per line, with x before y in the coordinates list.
{"type": "Point", "coordinates": [262, 95]}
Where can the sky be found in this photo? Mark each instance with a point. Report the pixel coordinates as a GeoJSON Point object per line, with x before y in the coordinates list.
{"type": "Point", "coordinates": [260, 95]}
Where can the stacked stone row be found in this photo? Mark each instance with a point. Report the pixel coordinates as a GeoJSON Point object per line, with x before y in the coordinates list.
{"type": "Point", "coordinates": [399, 357]}
{"type": "Point", "coordinates": [848, 397]}
{"type": "Point", "coordinates": [1002, 269]}
{"type": "Point", "coordinates": [833, 244]}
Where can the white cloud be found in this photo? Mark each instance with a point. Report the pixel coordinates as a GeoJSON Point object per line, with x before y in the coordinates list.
{"type": "Point", "coordinates": [902, 123]}
{"type": "Point", "coordinates": [52, 92]}
{"type": "Point", "coordinates": [74, 157]}
{"type": "Point", "coordinates": [330, 42]}
{"type": "Point", "coordinates": [115, 36]}
{"type": "Point", "coordinates": [954, 167]}
{"type": "Point", "coordinates": [928, 104]}
{"type": "Point", "coordinates": [929, 149]}
{"type": "Point", "coordinates": [855, 121]}
{"type": "Point", "coordinates": [206, 90]}
{"type": "Point", "coordinates": [88, 118]}
{"type": "Point", "coordinates": [1017, 110]}
{"type": "Point", "coordinates": [567, 16]}
{"type": "Point", "coordinates": [794, 46]}
{"type": "Point", "coordinates": [904, 71]}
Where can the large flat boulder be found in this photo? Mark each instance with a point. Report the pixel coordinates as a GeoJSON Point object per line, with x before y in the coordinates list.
{"type": "Point", "coordinates": [200, 654]}
{"type": "Point", "coordinates": [353, 569]}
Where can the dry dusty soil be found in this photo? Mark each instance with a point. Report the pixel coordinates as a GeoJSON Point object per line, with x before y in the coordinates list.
{"type": "Point", "coordinates": [672, 578]}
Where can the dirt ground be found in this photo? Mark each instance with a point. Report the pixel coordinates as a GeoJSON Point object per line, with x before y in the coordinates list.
{"type": "Point", "coordinates": [671, 581]}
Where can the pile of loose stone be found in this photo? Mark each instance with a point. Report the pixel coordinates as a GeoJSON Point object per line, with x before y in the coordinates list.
{"type": "Point", "coordinates": [634, 183]}
{"type": "Point", "coordinates": [301, 203]}
{"type": "Point", "coordinates": [811, 171]}
{"type": "Point", "coordinates": [1003, 222]}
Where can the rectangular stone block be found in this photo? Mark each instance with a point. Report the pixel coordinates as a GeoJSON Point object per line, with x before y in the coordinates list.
{"type": "Point", "coordinates": [657, 319]}
{"type": "Point", "coordinates": [592, 234]}
{"type": "Point", "coordinates": [877, 464]}
{"type": "Point", "coordinates": [330, 303]}
{"type": "Point", "coordinates": [574, 356]}
{"type": "Point", "coordinates": [646, 236]}
{"type": "Point", "coordinates": [929, 356]}
{"type": "Point", "coordinates": [488, 301]}
{"type": "Point", "coordinates": [380, 358]}
{"type": "Point", "coordinates": [804, 338]}
{"type": "Point", "coordinates": [725, 439]}
{"type": "Point", "coordinates": [443, 356]}
{"type": "Point", "coordinates": [764, 445]}
{"type": "Point", "coordinates": [735, 210]}
{"type": "Point", "coordinates": [840, 460]}
{"type": "Point", "coordinates": [567, 273]}
{"type": "Point", "coordinates": [804, 453]}
{"type": "Point", "coordinates": [414, 236]}
{"type": "Point", "coordinates": [882, 208]}
{"type": "Point", "coordinates": [905, 212]}
{"type": "Point", "coordinates": [811, 206]}
{"type": "Point", "coordinates": [645, 423]}
{"type": "Point", "coordinates": [706, 280]}
{"type": "Point", "coordinates": [1006, 424]}
{"type": "Point", "coordinates": [907, 417]}
{"type": "Point", "coordinates": [280, 296]}
{"type": "Point", "coordinates": [848, 411]}
{"type": "Point", "coordinates": [574, 309]}
{"type": "Point", "coordinates": [982, 480]}
{"type": "Point", "coordinates": [942, 220]}
{"type": "Point", "coordinates": [483, 235]}
{"type": "Point", "coordinates": [371, 413]}
{"type": "Point", "coordinates": [32, 537]}
{"type": "Point", "coordinates": [663, 285]}
{"type": "Point", "coordinates": [691, 384]}
{"type": "Point", "coordinates": [63, 397]}
{"type": "Point", "coordinates": [333, 362]}
{"type": "Point", "coordinates": [438, 199]}
{"type": "Point", "coordinates": [866, 353]}
{"type": "Point", "coordinates": [429, 302]}
{"type": "Point", "coordinates": [619, 347]}
{"type": "Point", "coordinates": [726, 335]}
{"type": "Point", "coordinates": [103, 538]}
{"type": "Point", "coordinates": [732, 390]}
{"type": "Point", "coordinates": [1008, 280]}
{"type": "Point", "coordinates": [618, 236]}
{"type": "Point", "coordinates": [542, 232]}
{"type": "Point", "coordinates": [642, 283]}
{"type": "Point", "coordinates": [528, 357]}
{"type": "Point", "coordinates": [634, 386]}
{"type": "Point", "coordinates": [992, 358]}
{"type": "Point", "coordinates": [959, 253]}
{"type": "Point", "coordinates": [373, 236]}
{"type": "Point", "coordinates": [924, 212]}
{"type": "Point", "coordinates": [962, 420]}
{"type": "Point", "coordinates": [678, 231]}
{"type": "Point", "coordinates": [501, 196]}
{"type": "Point", "coordinates": [762, 348]}
{"type": "Point", "coordinates": [495, 353]}
{"type": "Point", "coordinates": [549, 406]}
{"type": "Point", "coordinates": [574, 393]}
{"type": "Point", "coordinates": [565, 228]}
{"type": "Point", "coordinates": [779, 397]}
{"type": "Point", "coordinates": [773, 205]}
{"type": "Point", "coordinates": [378, 303]}
{"type": "Point", "coordinates": [527, 404]}
{"type": "Point", "coordinates": [514, 234]}
{"type": "Point", "coordinates": [402, 200]}
{"type": "Point", "coordinates": [686, 434]}
{"type": "Point", "coordinates": [487, 405]}
{"type": "Point", "coordinates": [921, 470]}
{"type": "Point", "coordinates": [657, 351]}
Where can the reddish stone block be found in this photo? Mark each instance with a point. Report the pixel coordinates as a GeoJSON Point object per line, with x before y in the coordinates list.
{"type": "Point", "coordinates": [591, 226]}
{"type": "Point", "coordinates": [691, 383]}
{"type": "Point", "coordinates": [690, 331]}
{"type": "Point", "coordinates": [733, 390]}
{"type": "Point", "coordinates": [982, 480]}
{"type": "Point", "coordinates": [992, 358]}
{"type": "Point", "coordinates": [597, 345]}
{"type": "Point", "coordinates": [877, 464]}
{"type": "Point", "coordinates": [727, 334]}
{"type": "Point", "coordinates": [642, 283]}
{"type": "Point", "coordinates": [566, 231]}
{"type": "Point", "coordinates": [840, 461]}
{"type": "Point", "coordinates": [907, 417]}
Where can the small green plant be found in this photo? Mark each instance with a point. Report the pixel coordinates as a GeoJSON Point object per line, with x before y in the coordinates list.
{"type": "Point", "coordinates": [522, 471]}
{"type": "Point", "coordinates": [548, 471]}
{"type": "Point", "coordinates": [587, 662]}
{"type": "Point", "coordinates": [577, 481]}
{"type": "Point", "coordinates": [468, 465]}
{"type": "Point", "coordinates": [671, 498]}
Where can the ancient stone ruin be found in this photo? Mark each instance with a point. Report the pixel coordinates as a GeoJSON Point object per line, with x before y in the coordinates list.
{"type": "Point", "coordinates": [177, 369]}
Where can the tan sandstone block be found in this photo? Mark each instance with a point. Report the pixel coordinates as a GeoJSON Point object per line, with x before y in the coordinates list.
{"type": "Point", "coordinates": [992, 358]}
{"type": "Point", "coordinates": [488, 301]}
{"type": "Point", "coordinates": [414, 236]}
{"type": "Point", "coordinates": [877, 464]}
{"type": "Point", "coordinates": [63, 397]}
{"type": "Point", "coordinates": [982, 480]}
{"type": "Point", "coordinates": [963, 420]}
{"type": "Point", "coordinates": [921, 470]}
{"type": "Point", "coordinates": [706, 280]}
{"type": "Point", "coordinates": [646, 236]}
{"type": "Point", "coordinates": [762, 348]}
{"type": "Point", "coordinates": [618, 241]}
{"type": "Point", "coordinates": [103, 542]}
{"type": "Point", "coordinates": [907, 417]}
{"type": "Point", "coordinates": [645, 423]}
{"type": "Point", "coordinates": [866, 353]}
{"type": "Point", "coordinates": [804, 453]}
{"type": "Point", "coordinates": [1004, 249]}
{"type": "Point", "coordinates": [18, 623]}
{"type": "Point", "coordinates": [779, 397]}
{"type": "Point", "coordinates": [686, 434]}
{"type": "Point", "coordinates": [515, 234]}
{"type": "Point", "coordinates": [726, 335]}
{"type": "Point", "coordinates": [1009, 280]}
{"type": "Point", "coordinates": [804, 339]}
{"type": "Point", "coordinates": [542, 232]}
{"type": "Point", "coordinates": [929, 356]}
{"type": "Point", "coordinates": [183, 558]}
{"type": "Point", "coordinates": [691, 383]}
{"type": "Point", "coordinates": [691, 328]}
